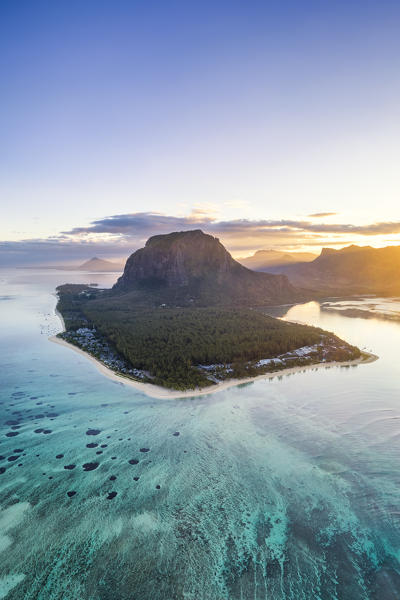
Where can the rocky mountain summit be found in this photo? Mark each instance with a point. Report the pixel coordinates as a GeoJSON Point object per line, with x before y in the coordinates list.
{"type": "Point", "coordinates": [194, 267]}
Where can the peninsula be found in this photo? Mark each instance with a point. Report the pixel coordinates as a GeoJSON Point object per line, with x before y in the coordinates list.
{"type": "Point", "coordinates": [186, 316]}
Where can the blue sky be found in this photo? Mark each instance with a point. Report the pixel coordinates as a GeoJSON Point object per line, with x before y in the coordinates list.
{"type": "Point", "coordinates": [232, 111]}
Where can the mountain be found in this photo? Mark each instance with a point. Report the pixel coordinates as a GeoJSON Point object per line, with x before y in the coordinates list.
{"type": "Point", "coordinates": [354, 269]}
{"type": "Point", "coordinates": [95, 265]}
{"type": "Point", "coordinates": [193, 267]}
{"type": "Point", "coordinates": [262, 260]}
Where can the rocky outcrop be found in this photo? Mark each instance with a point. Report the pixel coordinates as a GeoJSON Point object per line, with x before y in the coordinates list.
{"type": "Point", "coordinates": [191, 266]}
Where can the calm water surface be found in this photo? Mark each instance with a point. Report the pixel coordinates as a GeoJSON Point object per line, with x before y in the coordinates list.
{"type": "Point", "coordinates": [279, 489]}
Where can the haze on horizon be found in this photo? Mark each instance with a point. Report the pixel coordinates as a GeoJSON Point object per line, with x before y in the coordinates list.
{"type": "Point", "coordinates": [269, 126]}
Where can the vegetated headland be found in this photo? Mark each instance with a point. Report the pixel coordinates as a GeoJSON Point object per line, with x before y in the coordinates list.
{"type": "Point", "coordinates": [160, 325]}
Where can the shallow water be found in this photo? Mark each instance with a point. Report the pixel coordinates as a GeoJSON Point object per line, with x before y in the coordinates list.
{"type": "Point", "coordinates": [279, 489]}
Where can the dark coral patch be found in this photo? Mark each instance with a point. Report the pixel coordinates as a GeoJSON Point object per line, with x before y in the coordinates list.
{"type": "Point", "coordinates": [60, 456]}
{"type": "Point", "coordinates": [113, 478]}
{"type": "Point", "coordinates": [103, 446]}
{"type": "Point", "coordinates": [136, 479]}
{"type": "Point", "coordinates": [12, 433]}
{"type": "Point", "coordinates": [133, 461]}
{"type": "Point", "coordinates": [111, 495]}
{"type": "Point", "coordinates": [71, 493]}
{"type": "Point", "coordinates": [18, 450]}
{"type": "Point", "coordinates": [90, 466]}
{"type": "Point", "coordinates": [176, 433]}
{"type": "Point", "coordinates": [11, 423]}
{"type": "Point", "coordinates": [99, 452]}
{"type": "Point", "coordinates": [158, 487]}
{"type": "Point", "coordinates": [69, 467]}
{"type": "Point", "coordinates": [92, 445]}
{"type": "Point", "coordinates": [2, 470]}
{"type": "Point", "coordinates": [144, 449]}
{"type": "Point", "coordinates": [2, 457]}
{"type": "Point", "coordinates": [38, 430]}
{"type": "Point", "coordinates": [13, 457]}
{"type": "Point", "coordinates": [93, 431]}
{"type": "Point", "coordinates": [45, 431]}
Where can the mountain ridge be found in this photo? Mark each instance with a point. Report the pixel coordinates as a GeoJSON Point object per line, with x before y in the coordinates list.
{"type": "Point", "coordinates": [262, 260]}
{"type": "Point", "coordinates": [352, 269]}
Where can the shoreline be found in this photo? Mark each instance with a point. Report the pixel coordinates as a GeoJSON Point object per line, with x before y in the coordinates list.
{"type": "Point", "coordinates": [59, 315]}
{"type": "Point", "coordinates": [160, 393]}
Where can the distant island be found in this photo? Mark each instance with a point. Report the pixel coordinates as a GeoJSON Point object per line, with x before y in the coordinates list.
{"type": "Point", "coordinates": [185, 315]}
{"type": "Point", "coordinates": [99, 265]}
{"type": "Point", "coordinates": [93, 265]}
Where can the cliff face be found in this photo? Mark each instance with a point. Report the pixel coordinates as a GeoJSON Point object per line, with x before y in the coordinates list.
{"type": "Point", "coordinates": [176, 259]}
{"type": "Point", "coordinates": [191, 266]}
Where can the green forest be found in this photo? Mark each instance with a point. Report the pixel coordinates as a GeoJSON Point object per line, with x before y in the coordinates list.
{"type": "Point", "coordinates": [169, 343]}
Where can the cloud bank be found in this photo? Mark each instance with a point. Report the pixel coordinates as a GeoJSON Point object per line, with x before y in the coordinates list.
{"type": "Point", "coordinates": [322, 214]}
{"type": "Point", "coordinates": [147, 223]}
{"type": "Point", "coordinates": [119, 235]}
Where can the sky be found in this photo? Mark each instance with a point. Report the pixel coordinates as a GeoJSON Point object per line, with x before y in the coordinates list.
{"type": "Point", "coordinates": [267, 124]}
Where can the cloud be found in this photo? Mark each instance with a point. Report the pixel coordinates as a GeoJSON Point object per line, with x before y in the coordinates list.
{"type": "Point", "coordinates": [322, 214]}
{"type": "Point", "coordinates": [142, 223]}
{"type": "Point", "coordinates": [119, 235]}
{"type": "Point", "coordinates": [147, 223]}
{"type": "Point", "coordinates": [383, 228]}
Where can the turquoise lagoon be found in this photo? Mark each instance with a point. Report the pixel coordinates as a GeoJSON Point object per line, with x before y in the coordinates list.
{"type": "Point", "coordinates": [284, 488]}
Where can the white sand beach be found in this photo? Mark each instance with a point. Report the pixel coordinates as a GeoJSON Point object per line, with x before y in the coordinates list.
{"type": "Point", "coordinates": [156, 391]}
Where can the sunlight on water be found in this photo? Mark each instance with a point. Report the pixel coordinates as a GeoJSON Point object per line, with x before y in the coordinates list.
{"type": "Point", "coordinates": [281, 489]}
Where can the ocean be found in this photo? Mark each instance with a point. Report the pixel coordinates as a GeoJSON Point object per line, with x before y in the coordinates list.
{"type": "Point", "coordinates": [283, 488]}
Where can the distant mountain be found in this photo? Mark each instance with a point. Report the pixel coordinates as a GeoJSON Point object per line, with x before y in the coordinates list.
{"type": "Point", "coordinates": [95, 265]}
{"type": "Point", "coordinates": [193, 267]}
{"type": "Point", "coordinates": [354, 269]}
{"type": "Point", "coordinates": [262, 260]}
